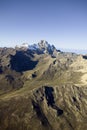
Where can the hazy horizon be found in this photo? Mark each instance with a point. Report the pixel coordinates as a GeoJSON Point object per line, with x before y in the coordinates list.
{"type": "Point", "coordinates": [72, 50]}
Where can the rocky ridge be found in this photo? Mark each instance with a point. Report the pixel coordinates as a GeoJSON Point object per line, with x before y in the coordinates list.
{"type": "Point", "coordinates": [42, 88]}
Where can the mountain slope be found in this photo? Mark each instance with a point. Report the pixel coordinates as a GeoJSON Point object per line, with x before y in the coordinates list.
{"type": "Point", "coordinates": [42, 88]}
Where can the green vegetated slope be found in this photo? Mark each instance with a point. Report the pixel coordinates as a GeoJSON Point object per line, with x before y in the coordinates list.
{"type": "Point", "coordinates": [42, 91]}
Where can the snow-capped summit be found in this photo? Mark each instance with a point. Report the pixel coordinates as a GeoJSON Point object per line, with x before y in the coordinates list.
{"type": "Point", "coordinates": [41, 47]}
{"type": "Point", "coordinates": [43, 44]}
{"type": "Point", "coordinates": [46, 47]}
{"type": "Point", "coordinates": [24, 45]}
{"type": "Point", "coordinates": [33, 47]}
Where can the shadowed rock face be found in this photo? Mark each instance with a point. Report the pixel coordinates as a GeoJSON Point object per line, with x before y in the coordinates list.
{"type": "Point", "coordinates": [85, 57]}
{"type": "Point", "coordinates": [50, 100]}
{"type": "Point", "coordinates": [41, 116]}
{"type": "Point", "coordinates": [21, 62]}
{"type": "Point", "coordinates": [47, 93]}
{"type": "Point", "coordinates": [1, 70]}
{"type": "Point", "coordinates": [49, 96]}
{"type": "Point", "coordinates": [63, 104]}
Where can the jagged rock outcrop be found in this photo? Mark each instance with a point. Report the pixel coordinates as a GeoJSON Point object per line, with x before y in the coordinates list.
{"type": "Point", "coordinates": [62, 106]}
{"type": "Point", "coordinates": [46, 108]}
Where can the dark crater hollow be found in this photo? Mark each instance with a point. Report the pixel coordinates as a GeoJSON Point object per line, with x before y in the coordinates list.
{"type": "Point", "coordinates": [50, 100]}
{"type": "Point", "coordinates": [21, 62]}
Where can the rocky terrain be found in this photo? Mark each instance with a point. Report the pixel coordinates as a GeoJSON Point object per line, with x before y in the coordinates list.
{"type": "Point", "coordinates": [42, 88]}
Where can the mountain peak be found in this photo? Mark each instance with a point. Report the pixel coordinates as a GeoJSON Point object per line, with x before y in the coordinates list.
{"type": "Point", "coordinates": [42, 47]}
{"type": "Point", "coordinates": [43, 44]}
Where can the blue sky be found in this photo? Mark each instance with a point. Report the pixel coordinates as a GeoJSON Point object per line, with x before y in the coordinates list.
{"type": "Point", "coordinates": [60, 22]}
